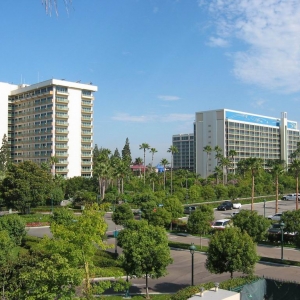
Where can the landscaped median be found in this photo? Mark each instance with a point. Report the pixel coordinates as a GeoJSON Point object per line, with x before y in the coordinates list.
{"type": "Point", "coordinates": [178, 245]}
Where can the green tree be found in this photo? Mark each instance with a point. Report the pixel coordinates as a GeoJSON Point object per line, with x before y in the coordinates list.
{"type": "Point", "coordinates": [254, 164]}
{"type": "Point", "coordinates": [7, 246]}
{"type": "Point", "coordinates": [50, 278]}
{"type": "Point", "coordinates": [26, 184]}
{"type": "Point", "coordinates": [78, 241]}
{"type": "Point", "coordinates": [5, 155]}
{"type": "Point", "coordinates": [152, 151]}
{"type": "Point", "coordinates": [63, 216]}
{"type": "Point", "coordinates": [164, 162]}
{"type": "Point", "coordinates": [232, 153]}
{"type": "Point", "coordinates": [126, 153]}
{"type": "Point", "coordinates": [231, 251]}
{"type": "Point", "coordinates": [52, 162]}
{"type": "Point", "coordinates": [122, 214]}
{"type": "Point", "coordinates": [144, 147]}
{"type": "Point", "coordinates": [200, 220]}
{"type": "Point", "coordinates": [15, 226]}
{"type": "Point", "coordinates": [145, 253]}
{"type": "Point", "coordinates": [159, 217]}
{"type": "Point", "coordinates": [173, 150]}
{"type": "Point", "coordinates": [221, 191]}
{"type": "Point", "coordinates": [208, 150]}
{"type": "Point", "coordinates": [295, 169]}
{"type": "Point", "coordinates": [251, 222]}
{"type": "Point", "coordinates": [102, 170]}
{"type": "Point", "coordinates": [208, 193]}
{"type": "Point", "coordinates": [276, 168]}
{"type": "Point", "coordinates": [291, 220]}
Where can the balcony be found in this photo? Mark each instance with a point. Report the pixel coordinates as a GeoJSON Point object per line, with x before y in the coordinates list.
{"type": "Point", "coordinates": [61, 139]}
{"type": "Point", "coordinates": [61, 116]}
{"type": "Point", "coordinates": [61, 108]}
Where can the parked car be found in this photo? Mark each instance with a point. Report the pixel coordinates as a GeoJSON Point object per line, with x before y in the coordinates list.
{"type": "Point", "coordinates": [225, 206]}
{"type": "Point", "coordinates": [189, 209]}
{"type": "Point", "coordinates": [290, 197]}
{"type": "Point", "coordinates": [220, 224]}
{"type": "Point", "coordinates": [237, 205]}
{"type": "Point", "coordinates": [275, 229]}
{"type": "Point", "coordinates": [276, 217]}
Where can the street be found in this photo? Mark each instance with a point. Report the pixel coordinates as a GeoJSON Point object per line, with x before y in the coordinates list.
{"type": "Point", "coordinates": [179, 273]}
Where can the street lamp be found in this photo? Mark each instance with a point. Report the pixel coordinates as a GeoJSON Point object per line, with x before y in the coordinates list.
{"type": "Point", "coordinates": [282, 227]}
{"type": "Point", "coordinates": [264, 208]}
{"type": "Point", "coordinates": [116, 232]}
{"type": "Point", "coordinates": [192, 250]}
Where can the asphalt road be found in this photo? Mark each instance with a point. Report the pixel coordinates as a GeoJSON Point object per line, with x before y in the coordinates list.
{"type": "Point", "coordinates": [179, 273]}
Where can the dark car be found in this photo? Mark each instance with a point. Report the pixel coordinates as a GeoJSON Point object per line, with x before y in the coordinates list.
{"type": "Point", "coordinates": [189, 209]}
{"type": "Point", "coordinates": [227, 205]}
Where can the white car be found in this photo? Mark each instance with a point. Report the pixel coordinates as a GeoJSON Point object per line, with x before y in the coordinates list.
{"type": "Point", "coordinates": [237, 205]}
{"type": "Point", "coordinates": [234, 213]}
{"type": "Point", "coordinates": [221, 224]}
{"type": "Point", "coordinates": [276, 217]}
{"type": "Point", "coordinates": [290, 197]}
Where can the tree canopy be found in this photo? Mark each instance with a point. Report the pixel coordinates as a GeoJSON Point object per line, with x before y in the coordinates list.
{"type": "Point", "coordinates": [145, 250]}
{"type": "Point", "coordinates": [231, 251]}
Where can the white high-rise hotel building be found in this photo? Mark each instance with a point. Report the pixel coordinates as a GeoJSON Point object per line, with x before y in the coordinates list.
{"type": "Point", "coordinates": [250, 135]}
{"type": "Point", "coordinates": [50, 118]}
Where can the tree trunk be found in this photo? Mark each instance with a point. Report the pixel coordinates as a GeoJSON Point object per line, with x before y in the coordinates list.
{"type": "Point", "coordinates": [147, 291]}
{"type": "Point", "coordinates": [297, 187]}
{"type": "Point", "coordinates": [276, 208]}
{"type": "Point", "coordinates": [252, 194]}
{"type": "Point", "coordinates": [200, 242]}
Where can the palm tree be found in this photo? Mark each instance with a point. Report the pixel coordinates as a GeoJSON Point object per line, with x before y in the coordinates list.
{"type": "Point", "coordinates": [254, 164]}
{"type": "Point", "coordinates": [232, 153]}
{"type": "Point", "coordinates": [208, 150]}
{"type": "Point", "coordinates": [145, 147]}
{"type": "Point", "coordinates": [152, 151]}
{"type": "Point", "coordinates": [276, 168]}
{"type": "Point", "coordinates": [295, 168]}
{"type": "Point", "coordinates": [138, 161]}
{"type": "Point", "coordinates": [164, 162]}
{"type": "Point", "coordinates": [172, 149]}
{"type": "Point", "coordinates": [53, 160]}
{"type": "Point", "coordinates": [218, 151]}
{"type": "Point", "coordinates": [224, 163]}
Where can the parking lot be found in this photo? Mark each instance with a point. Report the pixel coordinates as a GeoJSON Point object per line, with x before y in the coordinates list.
{"type": "Point", "coordinates": [259, 207]}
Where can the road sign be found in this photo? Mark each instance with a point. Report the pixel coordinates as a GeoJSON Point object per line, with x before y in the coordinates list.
{"type": "Point", "coordinates": [116, 232]}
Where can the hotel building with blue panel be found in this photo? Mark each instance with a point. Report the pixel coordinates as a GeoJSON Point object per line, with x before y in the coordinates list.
{"type": "Point", "coordinates": [250, 135]}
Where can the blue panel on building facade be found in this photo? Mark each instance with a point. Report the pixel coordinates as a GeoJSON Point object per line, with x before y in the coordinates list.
{"type": "Point", "coordinates": [259, 120]}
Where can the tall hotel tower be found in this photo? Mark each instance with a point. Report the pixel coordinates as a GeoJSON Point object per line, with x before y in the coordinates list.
{"type": "Point", "coordinates": [50, 118]}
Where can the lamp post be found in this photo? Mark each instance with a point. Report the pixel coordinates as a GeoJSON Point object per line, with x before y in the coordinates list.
{"type": "Point", "coordinates": [116, 232]}
{"type": "Point", "coordinates": [282, 227]}
{"type": "Point", "coordinates": [264, 208]}
{"type": "Point", "coordinates": [192, 251]}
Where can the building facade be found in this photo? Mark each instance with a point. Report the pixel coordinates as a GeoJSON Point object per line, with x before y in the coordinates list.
{"type": "Point", "coordinates": [50, 118]}
{"type": "Point", "coordinates": [184, 159]}
{"type": "Point", "coordinates": [249, 135]}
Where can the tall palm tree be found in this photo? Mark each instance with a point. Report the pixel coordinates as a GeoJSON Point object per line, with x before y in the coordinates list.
{"type": "Point", "coordinates": [152, 151]}
{"type": "Point", "coordinates": [295, 168]}
{"type": "Point", "coordinates": [232, 153]}
{"type": "Point", "coordinates": [276, 168]}
{"type": "Point", "coordinates": [144, 147]}
{"type": "Point", "coordinates": [172, 149]}
{"type": "Point", "coordinates": [208, 150]}
{"type": "Point", "coordinates": [224, 163]}
{"type": "Point", "coordinates": [254, 164]}
{"type": "Point", "coordinates": [164, 162]}
{"type": "Point", "coordinates": [52, 162]}
{"type": "Point", "coordinates": [218, 151]}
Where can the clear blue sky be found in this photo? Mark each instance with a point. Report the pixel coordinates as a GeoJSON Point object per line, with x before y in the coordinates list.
{"type": "Point", "coordinates": [157, 62]}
